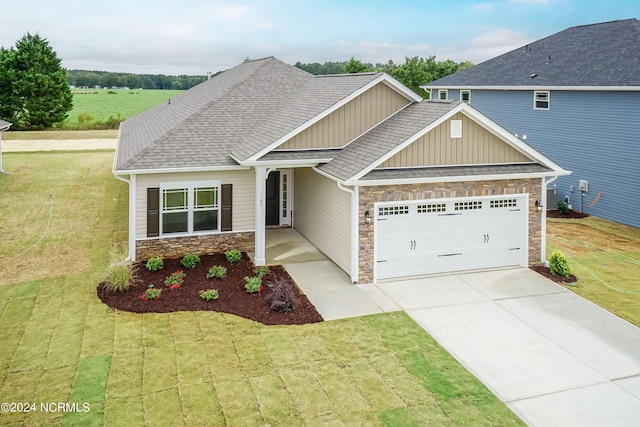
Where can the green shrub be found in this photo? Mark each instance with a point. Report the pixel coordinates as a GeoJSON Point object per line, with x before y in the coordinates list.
{"type": "Point", "coordinates": [216, 272]}
{"type": "Point", "coordinates": [151, 293]}
{"type": "Point", "coordinates": [190, 260]}
{"type": "Point", "coordinates": [562, 207]}
{"type": "Point", "coordinates": [261, 271]}
{"type": "Point", "coordinates": [209, 294]}
{"type": "Point", "coordinates": [281, 299]}
{"type": "Point", "coordinates": [121, 273]}
{"type": "Point", "coordinates": [558, 264]}
{"type": "Point", "coordinates": [155, 264]}
{"type": "Point", "coordinates": [233, 255]}
{"type": "Point", "coordinates": [253, 284]}
{"type": "Point", "coordinates": [175, 280]}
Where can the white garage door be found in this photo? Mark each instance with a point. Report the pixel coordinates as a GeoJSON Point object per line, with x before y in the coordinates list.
{"type": "Point", "coordinates": [440, 235]}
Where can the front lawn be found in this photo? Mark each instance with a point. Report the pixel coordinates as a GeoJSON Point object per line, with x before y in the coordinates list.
{"type": "Point", "coordinates": [61, 344]}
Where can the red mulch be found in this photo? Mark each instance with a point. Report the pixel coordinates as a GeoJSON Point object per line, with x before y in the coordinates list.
{"type": "Point", "coordinates": [233, 297]}
{"type": "Point", "coordinates": [571, 214]}
{"type": "Point", "coordinates": [546, 272]}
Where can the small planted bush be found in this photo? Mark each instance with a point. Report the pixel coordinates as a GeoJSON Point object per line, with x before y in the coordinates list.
{"type": "Point", "coordinates": [253, 284]}
{"type": "Point", "coordinates": [151, 293]}
{"type": "Point", "coordinates": [155, 264]}
{"type": "Point", "coordinates": [175, 280]}
{"type": "Point", "coordinates": [281, 299]}
{"type": "Point", "coordinates": [562, 207]}
{"type": "Point", "coordinates": [233, 256]}
{"type": "Point", "coordinates": [190, 260]}
{"type": "Point", "coordinates": [558, 264]}
{"type": "Point", "coordinates": [209, 294]}
{"type": "Point", "coordinates": [120, 274]}
{"type": "Point", "coordinates": [216, 272]}
{"type": "Point", "coordinates": [261, 271]}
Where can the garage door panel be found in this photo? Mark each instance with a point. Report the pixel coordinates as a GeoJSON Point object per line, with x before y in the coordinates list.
{"type": "Point", "coordinates": [437, 236]}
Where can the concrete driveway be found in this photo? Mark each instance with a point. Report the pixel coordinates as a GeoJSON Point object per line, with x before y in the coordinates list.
{"type": "Point", "coordinates": [553, 357]}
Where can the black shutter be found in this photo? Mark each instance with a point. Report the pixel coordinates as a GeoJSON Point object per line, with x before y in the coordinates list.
{"type": "Point", "coordinates": [153, 212]}
{"type": "Point", "coordinates": [226, 201]}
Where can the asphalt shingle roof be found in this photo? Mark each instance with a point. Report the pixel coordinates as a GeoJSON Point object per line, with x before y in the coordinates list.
{"type": "Point", "coordinates": [604, 54]}
{"type": "Point", "coordinates": [316, 96]}
{"type": "Point", "coordinates": [240, 111]}
{"type": "Point", "coordinates": [4, 124]}
{"type": "Point", "coordinates": [371, 146]}
{"type": "Point", "coordinates": [201, 126]}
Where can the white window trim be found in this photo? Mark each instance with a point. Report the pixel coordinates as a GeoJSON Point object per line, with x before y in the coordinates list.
{"type": "Point", "coordinates": [446, 94]}
{"type": "Point", "coordinates": [535, 99]}
{"type": "Point", "coordinates": [468, 91]}
{"type": "Point", "coordinates": [190, 186]}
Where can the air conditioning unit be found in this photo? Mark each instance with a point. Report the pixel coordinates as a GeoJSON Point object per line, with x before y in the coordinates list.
{"type": "Point", "coordinates": [583, 185]}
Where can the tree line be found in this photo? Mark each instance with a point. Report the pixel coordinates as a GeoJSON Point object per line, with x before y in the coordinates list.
{"type": "Point", "coordinates": [107, 79]}
{"type": "Point", "coordinates": [413, 73]}
{"type": "Point", "coordinates": [35, 88]}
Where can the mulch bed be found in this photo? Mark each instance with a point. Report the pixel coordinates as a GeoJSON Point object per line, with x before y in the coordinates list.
{"type": "Point", "coordinates": [546, 272]}
{"type": "Point", "coordinates": [233, 297]}
{"type": "Point", "coordinates": [569, 215]}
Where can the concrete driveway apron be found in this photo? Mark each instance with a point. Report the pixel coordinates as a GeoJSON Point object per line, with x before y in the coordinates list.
{"type": "Point", "coordinates": [553, 357]}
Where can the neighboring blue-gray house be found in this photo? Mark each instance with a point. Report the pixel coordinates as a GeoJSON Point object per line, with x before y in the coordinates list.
{"type": "Point", "coordinates": [574, 96]}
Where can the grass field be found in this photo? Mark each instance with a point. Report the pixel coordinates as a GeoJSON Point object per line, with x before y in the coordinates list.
{"type": "Point", "coordinates": [61, 344]}
{"type": "Point", "coordinates": [102, 103]}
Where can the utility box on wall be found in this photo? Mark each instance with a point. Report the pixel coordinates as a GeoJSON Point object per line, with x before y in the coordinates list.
{"type": "Point", "coordinates": [583, 185]}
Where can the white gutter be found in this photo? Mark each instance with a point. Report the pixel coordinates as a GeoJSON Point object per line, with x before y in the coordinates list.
{"type": "Point", "coordinates": [178, 170]}
{"type": "Point", "coordinates": [458, 178]}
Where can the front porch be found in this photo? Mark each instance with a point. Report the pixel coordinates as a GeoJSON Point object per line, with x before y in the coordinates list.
{"type": "Point", "coordinates": [287, 246]}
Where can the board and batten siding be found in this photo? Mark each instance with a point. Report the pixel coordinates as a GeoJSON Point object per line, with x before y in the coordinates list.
{"type": "Point", "coordinates": [243, 195]}
{"type": "Point", "coordinates": [594, 134]}
{"type": "Point", "coordinates": [349, 121]}
{"type": "Point", "coordinates": [322, 214]}
{"type": "Point", "coordinates": [437, 148]}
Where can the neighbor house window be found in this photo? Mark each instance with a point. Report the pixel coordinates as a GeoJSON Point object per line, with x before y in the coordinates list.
{"type": "Point", "coordinates": [443, 94]}
{"type": "Point", "coordinates": [541, 100]}
{"type": "Point", "coordinates": [190, 208]}
{"type": "Point", "coordinates": [465, 96]}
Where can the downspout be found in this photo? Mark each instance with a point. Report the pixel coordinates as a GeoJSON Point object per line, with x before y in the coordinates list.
{"type": "Point", "coordinates": [131, 238]}
{"type": "Point", "coordinates": [132, 214]}
{"type": "Point", "coordinates": [543, 225]}
{"type": "Point", "coordinates": [355, 194]}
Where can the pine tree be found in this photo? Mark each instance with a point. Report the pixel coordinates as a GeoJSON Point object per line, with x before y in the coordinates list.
{"type": "Point", "coordinates": [34, 93]}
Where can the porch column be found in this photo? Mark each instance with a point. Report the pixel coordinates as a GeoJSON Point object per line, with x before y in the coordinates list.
{"type": "Point", "coordinates": [261, 179]}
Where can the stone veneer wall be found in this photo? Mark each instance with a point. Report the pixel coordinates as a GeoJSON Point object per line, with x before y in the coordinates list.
{"type": "Point", "coordinates": [177, 247]}
{"type": "Point", "coordinates": [404, 192]}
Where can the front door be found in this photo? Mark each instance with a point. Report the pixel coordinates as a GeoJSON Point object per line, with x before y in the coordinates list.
{"type": "Point", "coordinates": [273, 199]}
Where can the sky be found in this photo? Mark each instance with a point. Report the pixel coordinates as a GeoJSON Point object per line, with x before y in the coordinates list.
{"type": "Point", "coordinates": [198, 36]}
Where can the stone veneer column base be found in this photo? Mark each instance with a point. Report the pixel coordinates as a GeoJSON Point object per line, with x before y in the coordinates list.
{"type": "Point", "coordinates": [177, 247]}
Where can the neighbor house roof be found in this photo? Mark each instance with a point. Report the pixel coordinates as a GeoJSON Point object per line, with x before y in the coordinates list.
{"type": "Point", "coordinates": [597, 55]}
{"type": "Point", "coordinates": [4, 125]}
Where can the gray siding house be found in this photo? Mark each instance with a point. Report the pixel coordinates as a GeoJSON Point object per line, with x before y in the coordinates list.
{"type": "Point", "coordinates": [574, 96]}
